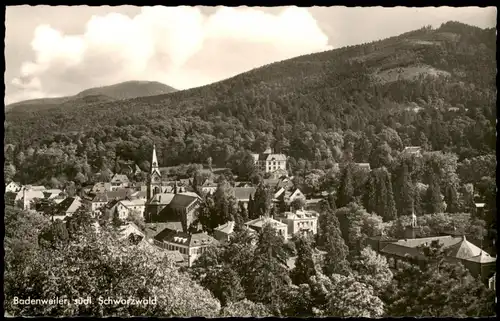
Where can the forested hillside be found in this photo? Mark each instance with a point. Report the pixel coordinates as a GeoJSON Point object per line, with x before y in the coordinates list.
{"type": "Point", "coordinates": [431, 88]}
{"type": "Point", "coordinates": [124, 90]}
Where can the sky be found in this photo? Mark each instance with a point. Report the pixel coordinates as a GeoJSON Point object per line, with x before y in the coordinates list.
{"type": "Point", "coordinates": [53, 51]}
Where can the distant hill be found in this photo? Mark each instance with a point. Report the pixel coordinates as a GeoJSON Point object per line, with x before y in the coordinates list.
{"type": "Point", "coordinates": [121, 91]}
{"type": "Point", "coordinates": [428, 86]}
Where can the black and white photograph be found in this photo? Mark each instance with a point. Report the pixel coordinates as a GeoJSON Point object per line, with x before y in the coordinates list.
{"type": "Point", "coordinates": [216, 161]}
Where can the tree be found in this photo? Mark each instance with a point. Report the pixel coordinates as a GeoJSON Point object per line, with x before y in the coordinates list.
{"type": "Point", "coordinates": [404, 192]}
{"type": "Point", "coordinates": [117, 221]}
{"type": "Point", "coordinates": [9, 172]}
{"type": "Point", "coordinates": [261, 202]}
{"type": "Point", "coordinates": [356, 225]}
{"type": "Point", "coordinates": [342, 296]}
{"type": "Point", "coordinates": [372, 269]}
{"type": "Point", "coordinates": [304, 264]}
{"type": "Point", "coordinates": [336, 250]}
{"type": "Point", "coordinates": [434, 203]}
{"type": "Point", "coordinates": [136, 218]}
{"type": "Point", "coordinates": [225, 284]}
{"type": "Point", "coordinates": [245, 309]}
{"type": "Point", "coordinates": [378, 196]}
{"type": "Point", "coordinates": [269, 274]}
{"type": "Point", "coordinates": [297, 204]}
{"type": "Point", "coordinates": [438, 289]}
{"type": "Point", "coordinates": [451, 199]}
{"type": "Point", "coordinates": [130, 271]}
{"type": "Point", "coordinates": [209, 162]}
{"type": "Point", "coordinates": [346, 189]}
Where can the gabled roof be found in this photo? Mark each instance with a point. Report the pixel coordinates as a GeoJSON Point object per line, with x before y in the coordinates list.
{"type": "Point", "coordinates": [226, 228]}
{"type": "Point", "coordinates": [135, 202]}
{"type": "Point", "coordinates": [261, 221]}
{"type": "Point", "coordinates": [243, 193]}
{"type": "Point", "coordinates": [153, 229]}
{"type": "Point", "coordinates": [101, 187]}
{"type": "Point", "coordinates": [186, 239]}
{"type": "Point", "coordinates": [271, 182]}
{"type": "Point", "coordinates": [130, 228]}
{"type": "Point", "coordinates": [69, 205]}
{"type": "Point", "coordinates": [119, 178]}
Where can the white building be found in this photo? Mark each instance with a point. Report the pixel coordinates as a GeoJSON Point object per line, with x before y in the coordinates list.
{"type": "Point", "coordinates": [305, 222]}
{"type": "Point", "coordinates": [270, 162]}
{"type": "Point", "coordinates": [258, 224]}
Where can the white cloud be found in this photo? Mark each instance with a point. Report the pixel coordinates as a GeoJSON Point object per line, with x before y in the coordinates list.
{"type": "Point", "coordinates": [178, 46]}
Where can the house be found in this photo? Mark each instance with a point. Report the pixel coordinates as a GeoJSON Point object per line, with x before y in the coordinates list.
{"type": "Point", "coordinates": [52, 193]}
{"type": "Point", "coordinates": [131, 230]}
{"type": "Point", "coordinates": [67, 207]}
{"type": "Point", "coordinates": [286, 197]}
{"type": "Point", "coordinates": [413, 150]}
{"type": "Point", "coordinates": [101, 199]}
{"type": "Point", "coordinates": [258, 223]}
{"type": "Point", "coordinates": [152, 229]}
{"type": "Point", "coordinates": [303, 222]}
{"type": "Point", "coordinates": [24, 197]}
{"type": "Point", "coordinates": [208, 187]}
{"type": "Point", "coordinates": [12, 187]}
{"type": "Point", "coordinates": [126, 207]}
{"type": "Point", "coordinates": [191, 246]}
{"type": "Point", "coordinates": [242, 184]}
{"type": "Point", "coordinates": [243, 194]}
{"type": "Point", "coordinates": [223, 232]}
{"type": "Point", "coordinates": [364, 166]}
{"type": "Point", "coordinates": [269, 162]}
{"type": "Point", "coordinates": [100, 188]}
{"type": "Point", "coordinates": [119, 181]}
{"type": "Point", "coordinates": [457, 249]}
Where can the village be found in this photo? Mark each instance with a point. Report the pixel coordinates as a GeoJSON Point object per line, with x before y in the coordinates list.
{"type": "Point", "coordinates": [167, 213]}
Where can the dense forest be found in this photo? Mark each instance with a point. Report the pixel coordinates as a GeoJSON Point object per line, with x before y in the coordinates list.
{"type": "Point", "coordinates": [313, 107]}
{"type": "Point", "coordinates": [360, 104]}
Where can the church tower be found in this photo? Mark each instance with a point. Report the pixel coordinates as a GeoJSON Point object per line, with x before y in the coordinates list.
{"type": "Point", "coordinates": [154, 186]}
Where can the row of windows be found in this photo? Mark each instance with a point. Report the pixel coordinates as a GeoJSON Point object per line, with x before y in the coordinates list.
{"type": "Point", "coordinates": [183, 250]}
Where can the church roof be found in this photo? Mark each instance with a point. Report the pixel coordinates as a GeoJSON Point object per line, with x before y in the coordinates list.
{"type": "Point", "coordinates": [183, 199]}
{"type": "Point", "coordinates": [483, 257]}
{"type": "Point", "coordinates": [463, 249]}
{"type": "Point", "coordinates": [162, 198]}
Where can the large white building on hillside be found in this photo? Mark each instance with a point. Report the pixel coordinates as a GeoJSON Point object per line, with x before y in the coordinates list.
{"type": "Point", "coordinates": [270, 162]}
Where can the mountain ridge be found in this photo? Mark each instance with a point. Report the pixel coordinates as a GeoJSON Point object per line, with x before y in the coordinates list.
{"type": "Point", "coordinates": [316, 98]}
{"type": "Point", "coordinates": [120, 91]}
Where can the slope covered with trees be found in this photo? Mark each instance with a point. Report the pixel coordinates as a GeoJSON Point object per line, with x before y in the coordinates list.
{"type": "Point", "coordinates": [121, 91]}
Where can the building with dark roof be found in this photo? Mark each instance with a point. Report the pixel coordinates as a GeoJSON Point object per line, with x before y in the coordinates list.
{"type": "Point", "coordinates": [191, 246]}
{"type": "Point", "coordinates": [457, 249]}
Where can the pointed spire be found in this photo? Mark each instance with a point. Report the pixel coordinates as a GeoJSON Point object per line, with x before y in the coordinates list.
{"type": "Point", "coordinates": [154, 162]}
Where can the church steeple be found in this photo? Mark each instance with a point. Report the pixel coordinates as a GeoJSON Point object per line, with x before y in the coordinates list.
{"type": "Point", "coordinates": [154, 186]}
{"type": "Point", "coordinates": [154, 162]}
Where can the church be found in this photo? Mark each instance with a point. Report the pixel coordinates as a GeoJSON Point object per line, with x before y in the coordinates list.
{"type": "Point", "coordinates": [167, 203]}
